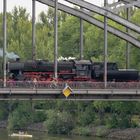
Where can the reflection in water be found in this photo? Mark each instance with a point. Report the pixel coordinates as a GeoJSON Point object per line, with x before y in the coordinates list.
{"type": "Point", "coordinates": [43, 136]}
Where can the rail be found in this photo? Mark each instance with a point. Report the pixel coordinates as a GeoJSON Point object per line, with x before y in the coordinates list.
{"type": "Point", "coordinates": [73, 85]}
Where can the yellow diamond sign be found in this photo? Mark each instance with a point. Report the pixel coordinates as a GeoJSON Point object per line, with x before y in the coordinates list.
{"type": "Point", "coordinates": [67, 91]}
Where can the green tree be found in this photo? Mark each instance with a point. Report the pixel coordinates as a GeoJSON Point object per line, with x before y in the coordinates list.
{"type": "Point", "coordinates": [1, 32]}
{"type": "Point", "coordinates": [4, 110]}
{"type": "Point", "coordinates": [121, 114]}
{"type": "Point", "coordinates": [100, 108]}
{"type": "Point", "coordinates": [69, 39]}
{"type": "Point", "coordinates": [21, 117]}
{"type": "Point", "coordinates": [86, 117]}
{"type": "Point", "coordinates": [19, 33]}
{"type": "Point", "coordinates": [58, 122]}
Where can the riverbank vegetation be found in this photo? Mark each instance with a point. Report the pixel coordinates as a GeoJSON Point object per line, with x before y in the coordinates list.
{"type": "Point", "coordinates": [68, 117]}
{"type": "Point", "coordinates": [71, 117]}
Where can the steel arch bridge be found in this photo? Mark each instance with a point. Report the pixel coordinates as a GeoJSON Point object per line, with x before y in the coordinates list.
{"type": "Point", "coordinates": [107, 92]}
{"type": "Point", "coordinates": [87, 16]}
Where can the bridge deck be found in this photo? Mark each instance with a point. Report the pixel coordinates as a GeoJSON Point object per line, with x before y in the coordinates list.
{"type": "Point", "coordinates": [80, 91]}
{"type": "Point", "coordinates": [83, 94]}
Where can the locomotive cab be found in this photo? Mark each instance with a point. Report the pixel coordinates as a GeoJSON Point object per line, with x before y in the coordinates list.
{"type": "Point", "coordinates": [82, 70]}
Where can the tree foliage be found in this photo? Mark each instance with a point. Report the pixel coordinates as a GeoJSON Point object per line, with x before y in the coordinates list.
{"type": "Point", "coordinates": [21, 117]}
{"type": "Point", "coordinates": [58, 122]}
{"type": "Point", "coordinates": [62, 116]}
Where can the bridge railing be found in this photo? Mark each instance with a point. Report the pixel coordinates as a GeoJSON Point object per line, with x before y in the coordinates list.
{"type": "Point", "coordinates": [73, 85]}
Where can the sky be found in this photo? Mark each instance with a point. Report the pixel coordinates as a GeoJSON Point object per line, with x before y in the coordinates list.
{"type": "Point", "coordinates": [39, 7]}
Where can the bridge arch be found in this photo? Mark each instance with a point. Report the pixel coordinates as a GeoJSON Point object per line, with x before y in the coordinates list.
{"type": "Point", "coordinates": [85, 16]}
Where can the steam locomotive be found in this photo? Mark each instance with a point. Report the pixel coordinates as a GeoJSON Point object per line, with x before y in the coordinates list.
{"type": "Point", "coordinates": [72, 70]}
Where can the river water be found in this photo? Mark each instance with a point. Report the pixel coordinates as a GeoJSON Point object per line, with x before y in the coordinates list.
{"type": "Point", "coordinates": [43, 136]}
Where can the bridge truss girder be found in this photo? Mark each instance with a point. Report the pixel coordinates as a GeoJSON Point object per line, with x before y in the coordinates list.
{"type": "Point", "coordinates": [87, 17]}
{"type": "Point", "coordinates": [127, 4]}
{"type": "Point", "coordinates": [133, 3]}
{"type": "Point", "coordinates": [106, 13]}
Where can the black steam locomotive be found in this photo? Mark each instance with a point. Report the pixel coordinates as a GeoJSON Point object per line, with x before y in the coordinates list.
{"type": "Point", "coordinates": [72, 70]}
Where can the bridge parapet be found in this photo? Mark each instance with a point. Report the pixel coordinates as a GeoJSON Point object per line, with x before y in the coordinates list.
{"type": "Point", "coordinates": [73, 85]}
{"type": "Point", "coordinates": [23, 90]}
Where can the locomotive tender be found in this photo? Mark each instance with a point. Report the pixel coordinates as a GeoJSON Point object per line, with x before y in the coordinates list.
{"type": "Point", "coordinates": [72, 70]}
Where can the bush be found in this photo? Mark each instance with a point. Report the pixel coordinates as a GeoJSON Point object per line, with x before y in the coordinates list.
{"type": "Point", "coordinates": [101, 131]}
{"type": "Point", "coordinates": [111, 121]}
{"type": "Point", "coordinates": [86, 118]}
{"type": "Point", "coordinates": [119, 121]}
{"type": "Point", "coordinates": [39, 116]}
{"type": "Point", "coordinates": [21, 117]}
{"type": "Point", "coordinates": [3, 114]}
{"type": "Point", "coordinates": [4, 110]}
{"type": "Point", "coordinates": [82, 131]}
{"type": "Point", "coordinates": [58, 122]}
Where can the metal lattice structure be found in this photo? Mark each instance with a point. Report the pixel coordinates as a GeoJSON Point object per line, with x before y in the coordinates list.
{"type": "Point", "coordinates": [109, 11]}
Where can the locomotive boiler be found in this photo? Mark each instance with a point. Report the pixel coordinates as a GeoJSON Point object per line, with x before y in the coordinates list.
{"type": "Point", "coordinates": [72, 70]}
